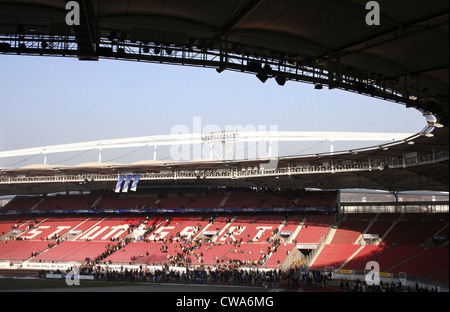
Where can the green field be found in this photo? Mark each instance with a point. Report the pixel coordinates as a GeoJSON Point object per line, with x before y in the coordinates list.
{"type": "Point", "coordinates": [37, 285]}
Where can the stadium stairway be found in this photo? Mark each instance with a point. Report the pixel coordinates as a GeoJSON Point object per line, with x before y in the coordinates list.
{"type": "Point", "coordinates": [406, 259]}
{"type": "Point", "coordinates": [410, 233]}
{"type": "Point", "coordinates": [360, 239]}
{"type": "Point", "coordinates": [293, 256]}
{"type": "Point", "coordinates": [280, 227]}
{"type": "Point", "coordinates": [137, 232]}
{"type": "Point", "coordinates": [37, 204]}
{"type": "Point", "coordinates": [225, 198]}
{"type": "Point", "coordinates": [351, 257]}
{"type": "Point", "coordinates": [391, 227]}
{"type": "Point", "coordinates": [95, 203]}
{"type": "Point", "coordinates": [326, 241]}
{"type": "Point", "coordinates": [297, 230]}
{"type": "Point", "coordinates": [330, 235]}
{"type": "Point", "coordinates": [223, 230]}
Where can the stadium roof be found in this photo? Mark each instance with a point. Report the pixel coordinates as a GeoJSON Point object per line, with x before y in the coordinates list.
{"type": "Point", "coordinates": [404, 59]}
{"type": "Point", "coordinates": [399, 166]}
{"type": "Point", "coordinates": [327, 42]}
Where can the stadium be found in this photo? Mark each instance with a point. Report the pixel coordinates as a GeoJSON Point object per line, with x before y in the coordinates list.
{"type": "Point", "coordinates": [212, 217]}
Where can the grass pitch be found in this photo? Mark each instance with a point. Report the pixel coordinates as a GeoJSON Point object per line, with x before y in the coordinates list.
{"type": "Point", "coordinates": [47, 285]}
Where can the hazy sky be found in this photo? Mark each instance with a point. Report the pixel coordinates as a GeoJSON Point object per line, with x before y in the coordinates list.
{"type": "Point", "coordinates": [51, 100]}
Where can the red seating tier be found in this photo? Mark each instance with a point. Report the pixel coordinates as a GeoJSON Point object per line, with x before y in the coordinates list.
{"type": "Point", "coordinates": [334, 256]}
{"type": "Point", "coordinates": [395, 254]}
{"type": "Point", "coordinates": [22, 203]}
{"type": "Point", "coordinates": [120, 201]}
{"type": "Point", "coordinates": [108, 228]}
{"type": "Point", "coordinates": [68, 202]}
{"type": "Point", "coordinates": [279, 256]}
{"type": "Point", "coordinates": [51, 228]}
{"type": "Point", "coordinates": [314, 229]}
{"type": "Point", "coordinates": [76, 251]}
{"type": "Point", "coordinates": [406, 255]}
{"type": "Point", "coordinates": [9, 223]}
{"type": "Point", "coordinates": [20, 249]}
{"type": "Point", "coordinates": [368, 253]}
{"type": "Point", "coordinates": [349, 231]}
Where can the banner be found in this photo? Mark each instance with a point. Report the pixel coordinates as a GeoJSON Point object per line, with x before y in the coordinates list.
{"type": "Point", "coordinates": [135, 182]}
{"type": "Point", "coordinates": [344, 271]}
{"type": "Point", "coordinates": [126, 184]}
{"type": "Point", "coordinates": [306, 246]}
{"type": "Point", "coordinates": [371, 236]}
{"type": "Point", "coordinates": [119, 183]}
{"type": "Point", "coordinates": [385, 274]}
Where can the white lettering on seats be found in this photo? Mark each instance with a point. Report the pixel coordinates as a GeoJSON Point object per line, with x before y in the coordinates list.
{"type": "Point", "coordinates": [231, 233]}
{"type": "Point", "coordinates": [59, 229]}
{"type": "Point", "coordinates": [94, 232]}
{"type": "Point", "coordinates": [188, 231]}
{"type": "Point", "coordinates": [161, 232]}
{"type": "Point", "coordinates": [120, 228]}
{"type": "Point", "coordinates": [35, 232]}
{"type": "Point", "coordinates": [261, 231]}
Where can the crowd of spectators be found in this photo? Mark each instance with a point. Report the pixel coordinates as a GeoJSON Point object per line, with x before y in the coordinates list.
{"type": "Point", "coordinates": [358, 286]}
{"type": "Point", "coordinates": [234, 274]}
{"type": "Point", "coordinates": [222, 275]}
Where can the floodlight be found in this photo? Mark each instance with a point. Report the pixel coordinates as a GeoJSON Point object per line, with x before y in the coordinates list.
{"type": "Point", "coordinates": [280, 80]}
{"type": "Point", "coordinates": [221, 68]}
{"type": "Point", "coordinates": [262, 76]}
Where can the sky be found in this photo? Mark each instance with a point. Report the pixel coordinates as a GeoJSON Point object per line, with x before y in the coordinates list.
{"type": "Point", "coordinates": [56, 100]}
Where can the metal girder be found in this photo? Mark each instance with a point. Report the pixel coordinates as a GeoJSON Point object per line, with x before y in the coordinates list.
{"type": "Point", "coordinates": [324, 74]}
{"type": "Point", "coordinates": [85, 33]}
{"type": "Point", "coordinates": [211, 137]}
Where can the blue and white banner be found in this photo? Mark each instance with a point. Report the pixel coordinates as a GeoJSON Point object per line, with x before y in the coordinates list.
{"type": "Point", "coordinates": [119, 183]}
{"type": "Point", "coordinates": [126, 184]}
{"type": "Point", "coordinates": [135, 182]}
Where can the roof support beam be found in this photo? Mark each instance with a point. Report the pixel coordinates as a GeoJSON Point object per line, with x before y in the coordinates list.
{"type": "Point", "coordinates": [211, 137]}
{"type": "Point", "coordinates": [238, 15]}
{"type": "Point", "coordinates": [85, 34]}
{"type": "Point", "coordinates": [222, 33]}
{"type": "Point", "coordinates": [397, 32]}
